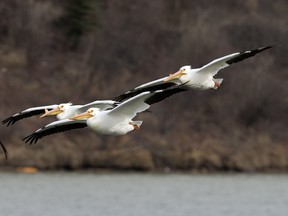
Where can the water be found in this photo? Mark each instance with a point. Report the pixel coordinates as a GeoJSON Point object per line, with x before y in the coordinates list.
{"type": "Point", "coordinates": [85, 194]}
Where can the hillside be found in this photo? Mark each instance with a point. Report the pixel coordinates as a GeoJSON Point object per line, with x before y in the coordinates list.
{"type": "Point", "coordinates": [80, 51]}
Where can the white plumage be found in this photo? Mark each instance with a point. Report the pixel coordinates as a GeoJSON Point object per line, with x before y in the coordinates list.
{"type": "Point", "coordinates": [116, 121]}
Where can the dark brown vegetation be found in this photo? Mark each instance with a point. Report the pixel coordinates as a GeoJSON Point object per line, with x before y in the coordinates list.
{"type": "Point", "coordinates": [60, 51]}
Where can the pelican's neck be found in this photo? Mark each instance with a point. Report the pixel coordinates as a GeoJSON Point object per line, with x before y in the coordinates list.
{"type": "Point", "coordinates": [62, 115]}
{"type": "Point", "coordinates": [67, 113]}
{"type": "Point", "coordinates": [187, 77]}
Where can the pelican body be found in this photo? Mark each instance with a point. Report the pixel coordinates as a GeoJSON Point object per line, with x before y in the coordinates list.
{"type": "Point", "coordinates": [105, 122]}
{"type": "Point", "coordinates": [194, 80]}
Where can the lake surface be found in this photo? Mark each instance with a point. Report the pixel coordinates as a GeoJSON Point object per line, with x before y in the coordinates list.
{"type": "Point", "coordinates": [85, 194]}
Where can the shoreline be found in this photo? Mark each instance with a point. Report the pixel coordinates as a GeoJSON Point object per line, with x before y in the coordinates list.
{"type": "Point", "coordinates": [134, 171]}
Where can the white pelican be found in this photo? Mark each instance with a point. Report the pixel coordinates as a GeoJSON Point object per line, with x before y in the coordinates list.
{"type": "Point", "coordinates": [4, 149]}
{"type": "Point", "coordinates": [203, 78]}
{"type": "Point", "coordinates": [63, 110]}
{"type": "Point", "coordinates": [198, 78]}
{"type": "Point", "coordinates": [117, 121]}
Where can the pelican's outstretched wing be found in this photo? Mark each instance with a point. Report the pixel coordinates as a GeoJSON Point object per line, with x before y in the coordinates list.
{"type": "Point", "coordinates": [27, 113]}
{"type": "Point", "coordinates": [155, 85]}
{"type": "Point", "coordinates": [143, 101]}
{"type": "Point", "coordinates": [159, 96]}
{"type": "Point", "coordinates": [101, 104]}
{"type": "Point", "coordinates": [55, 127]}
{"type": "Point", "coordinates": [213, 67]}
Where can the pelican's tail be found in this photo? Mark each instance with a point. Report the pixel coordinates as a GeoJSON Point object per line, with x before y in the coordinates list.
{"type": "Point", "coordinates": [217, 83]}
{"type": "Point", "coordinates": [138, 123]}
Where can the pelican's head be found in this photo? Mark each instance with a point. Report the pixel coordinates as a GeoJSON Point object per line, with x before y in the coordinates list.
{"type": "Point", "coordinates": [57, 110]}
{"type": "Point", "coordinates": [86, 115]}
{"type": "Point", "coordinates": [183, 71]}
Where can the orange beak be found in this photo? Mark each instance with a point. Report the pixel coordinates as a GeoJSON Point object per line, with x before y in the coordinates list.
{"type": "Point", "coordinates": [174, 76]}
{"type": "Point", "coordinates": [54, 111]}
{"type": "Point", "coordinates": [81, 116]}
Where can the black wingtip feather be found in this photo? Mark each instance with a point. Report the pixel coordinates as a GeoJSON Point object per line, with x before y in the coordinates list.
{"type": "Point", "coordinates": [8, 121]}
{"type": "Point", "coordinates": [46, 131]}
{"type": "Point", "coordinates": [4, 150]}
{"type": "Point", "coordinates": [30, 139]}
{"type": "Point", "coordinates": [261, 49]}
{"type": "Point", "coordinates": [21, 115]}
{"type": "Point", "coordinates": [247, 54]}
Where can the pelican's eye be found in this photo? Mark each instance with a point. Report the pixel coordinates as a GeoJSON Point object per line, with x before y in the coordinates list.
{"type": "Point", "coordinates": [61, 106]}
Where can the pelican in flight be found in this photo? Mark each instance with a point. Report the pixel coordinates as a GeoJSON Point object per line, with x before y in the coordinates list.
{"type": "Point", "coordinates": [198, 78]}
{"type": "Point", "coordinates": [116, 121]}
{"type": "Point", "coordinates": [62, 111]}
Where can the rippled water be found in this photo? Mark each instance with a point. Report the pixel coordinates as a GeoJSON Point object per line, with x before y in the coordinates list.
{"type": "Point", "coordinates": [85, 194]}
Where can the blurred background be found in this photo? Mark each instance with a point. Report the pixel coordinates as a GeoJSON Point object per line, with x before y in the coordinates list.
{"type": "Point", "coordinates": [83, 50]}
